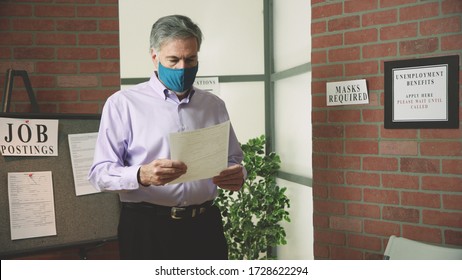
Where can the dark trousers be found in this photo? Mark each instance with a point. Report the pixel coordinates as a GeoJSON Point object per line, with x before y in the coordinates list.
{"type": "Point", "coordinates": [146, 235]}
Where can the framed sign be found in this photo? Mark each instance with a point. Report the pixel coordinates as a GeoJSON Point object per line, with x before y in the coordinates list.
{"type": "Point", "coordinates": [422, 93]}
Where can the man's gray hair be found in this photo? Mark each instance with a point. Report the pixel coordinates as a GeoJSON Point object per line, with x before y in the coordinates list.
{"type": "Point", "coordinates": [174, 27]}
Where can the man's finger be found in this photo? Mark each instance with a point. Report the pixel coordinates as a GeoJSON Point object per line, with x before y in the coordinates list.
{"type": "Point", "coordinates": [231, 170]}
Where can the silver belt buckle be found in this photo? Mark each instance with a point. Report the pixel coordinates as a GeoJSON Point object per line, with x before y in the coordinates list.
{"type": "Point", "coordinates": [175, 211]}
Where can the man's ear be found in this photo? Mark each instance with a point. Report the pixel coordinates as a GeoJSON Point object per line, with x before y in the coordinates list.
{"type": "Point", "coordinates": [154, 57]}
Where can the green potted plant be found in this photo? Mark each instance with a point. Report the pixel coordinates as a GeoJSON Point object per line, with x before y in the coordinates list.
{"type": "Point", "coordinates": [252, 215]}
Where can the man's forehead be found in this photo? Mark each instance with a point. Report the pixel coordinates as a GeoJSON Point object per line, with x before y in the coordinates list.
{"type": "Point", "coordinates": [176, 44]}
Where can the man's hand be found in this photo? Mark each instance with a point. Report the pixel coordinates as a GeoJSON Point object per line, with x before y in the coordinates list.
{"type": "Point", "coordinates": [161, 171]}
{"type": "Point", "coordinates": [231, 178]}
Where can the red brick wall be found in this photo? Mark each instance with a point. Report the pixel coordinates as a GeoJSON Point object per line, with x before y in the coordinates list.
{"type": "Point", "coordinates": [370, 182]}
{"type": "Point", "coordinates": [70, 50]}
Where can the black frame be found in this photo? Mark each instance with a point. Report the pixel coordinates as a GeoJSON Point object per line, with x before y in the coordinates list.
{"type": "Point", "coordinates": [452, 94]}
{"type": "Point", "coordinates": [9, 83]}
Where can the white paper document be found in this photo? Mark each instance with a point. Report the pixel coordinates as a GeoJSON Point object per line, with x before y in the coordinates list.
{"type": "Point", "coordinates": [204, 151]}
{"type": "Point", "coordinates": [82, 149]}
{"type": "Point", "coordinates": [32, 211]}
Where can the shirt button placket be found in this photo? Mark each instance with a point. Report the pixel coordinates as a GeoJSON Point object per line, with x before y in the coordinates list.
{"type": "Point", "coordinates": [182, 127]}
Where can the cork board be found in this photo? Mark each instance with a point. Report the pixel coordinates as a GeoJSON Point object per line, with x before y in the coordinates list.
{"type": "Point", "coordinates": [80, 220]}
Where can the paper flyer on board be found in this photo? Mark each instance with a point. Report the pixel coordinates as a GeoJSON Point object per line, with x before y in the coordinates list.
{"type": "Point", "coordinates": [82, 149]}
{"type": "Point", "coordinates": [31, 202]}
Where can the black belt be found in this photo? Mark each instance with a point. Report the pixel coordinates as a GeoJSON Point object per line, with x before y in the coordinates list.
{"type": "Point", "coordinates": [176, 213]}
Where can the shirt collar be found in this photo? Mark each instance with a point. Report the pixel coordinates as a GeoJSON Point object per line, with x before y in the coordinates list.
{"type": "Point", "coordinates": [162, 91]}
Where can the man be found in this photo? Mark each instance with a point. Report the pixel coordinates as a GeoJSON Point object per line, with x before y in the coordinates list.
{"type": "Point", "coordinates": [132, 155]}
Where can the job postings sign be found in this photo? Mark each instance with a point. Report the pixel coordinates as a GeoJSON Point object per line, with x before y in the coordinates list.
{"type": "Point", "coordinates": [34, 137]}
{"type": "Point", "coordinates": [347, 93]}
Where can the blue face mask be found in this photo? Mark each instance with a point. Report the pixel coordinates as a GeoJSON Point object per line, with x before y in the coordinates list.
{"type": "Point", "coordinates": [177, 80]}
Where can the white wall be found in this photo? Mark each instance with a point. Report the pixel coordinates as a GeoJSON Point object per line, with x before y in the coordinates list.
{"type": "Point", "coordinates": [292, 33]}
{"type": "Point", "coordinates": [300, 230]}
{"type": "Point", "coordinates": [233, 34]}
{"type": "Point", "coordinates": [246, 108]}
{"type": "Point", "coordinates": [293, 124]}
{"type": "Point", "coordinates": [292, 48]}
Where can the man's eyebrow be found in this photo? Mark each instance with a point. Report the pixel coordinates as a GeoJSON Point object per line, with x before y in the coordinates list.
{"type": "Point", "coordinates": [176, 57]}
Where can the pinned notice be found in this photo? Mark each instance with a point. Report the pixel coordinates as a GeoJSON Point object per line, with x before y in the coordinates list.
{"type": "Point", "coordinates": [32, 212]}
{"type": "Point", "coordinates": [347, 93]}
{"type": "Point", "coordinates": [82, 149]}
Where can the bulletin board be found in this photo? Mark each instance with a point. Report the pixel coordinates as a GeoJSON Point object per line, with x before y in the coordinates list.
{"type": "Point", "coordinates": [80, 220]}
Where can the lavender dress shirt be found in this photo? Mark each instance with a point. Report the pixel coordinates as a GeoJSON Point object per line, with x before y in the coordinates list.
{"type": "Point", "coordinates": [134, 129]}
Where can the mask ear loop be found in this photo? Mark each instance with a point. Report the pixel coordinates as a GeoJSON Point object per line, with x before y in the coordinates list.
{"type": "Point", "coordinates": [155, 58]}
